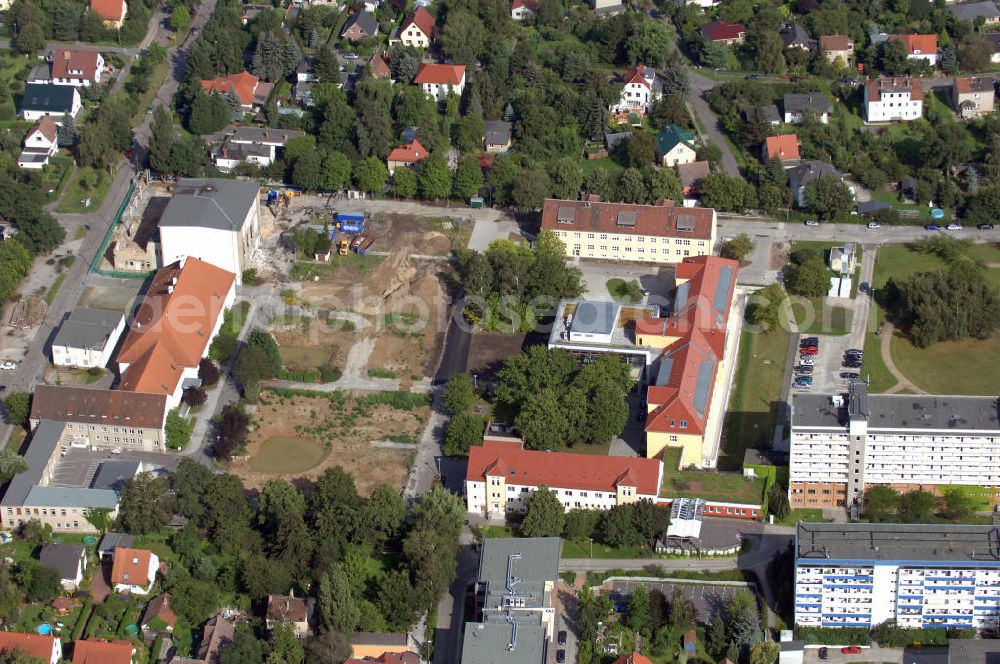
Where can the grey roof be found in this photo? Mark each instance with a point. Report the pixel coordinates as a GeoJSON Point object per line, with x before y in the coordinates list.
{"type": "Point", "coordinates": [497, 132]}
{"type": "Point", "coordinates": [348, 80]}
{"type": "Point", "coordinates": [58, 496]}
{"type": "Point", "coordinates": [32, 157]}
{"type": "Point", "coordinates": [210, 203]}
{"type": "Point", "coordinates": [492, 641]}
{"type": "Point", "coordinates": [40, 449]}
{"type": "Point", "coordinates": [918, 542]}
{"type": "Point", "coordinates": [795, 102]}
{"type": "Point", "coordinates": [770, 113]}
{"type": "Point", "coordinates": [594, 317]}
{"type": "Point", "coordinates": [63, 558]}
{"type": "Point", "coordinates": [901, 411]}
{"type": "Point", "coordinates": [809, 171]}
{"type": "Point", "coordinates": [763, 457]}
{"type": "Point", "coordinates": [614, 138]}
{"type": "Point", "coordinates": [48, 98]}
{"type": "Point", "coordinates": [240, 151]}
{"type": "Point", "coordinates": [265, 135]}
{"type": "Point", "coordinates": [40, 72]}
{"type": "Point", "coordinates": [538, 563]}
{"type": "Point", "coordinates": [380, 639]}
{"type": "Point", "coordinates": [702, 388]}
{"type": "Point", "coordinates": [994, 39]}
{"type": "Point", "coordinates": [364, 20]}
{"type": "Point", "coordinates": [867, 207]}
{"type": "Point", "coordinates": [111, 541]}
{"type": "Point", "coordinates": [114, 474]}
{"type": "Point", "coordinates": [977, 651]}
{"type": "Point", "coordinates": [796, 35]}
{"type": "Point", "coordinates": [88, 328]}
{"type": "Point", "coordinates": [970, 11]}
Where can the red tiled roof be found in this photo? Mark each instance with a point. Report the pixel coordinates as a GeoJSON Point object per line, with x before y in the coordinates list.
{"type": "Point", "coordinates": [46, 127]}
{"type": "Point", "coordinates": [96, 651]}
{"type": "Point", "coordinates": [110, 10]}
{"type": "Point", "coordinates": [66, 62]}
{"type": "Point", "coordinates": [723, 30]}
{"type": "Point", "coordinates": [969, 84]}
{"type": "Point", "coordinates": [159, 607]}
{"type": "Point", "coordinates": [785, 146]}
{"type": "Point", "coordinates": [440, 74]}
{"type": "Point", "coordinates": [131, 562]}
{"type": "Point", "coordinates": [836, 43]}
{"type": "Point", "coordinates": [636, 75]}
{"type": "Point", "coordinates": [30, 644]}
{"type": "Point", "coordinates": [173, 325]}
{"type": "Point", "coordinates": [529, 4]}
{"type": "Point", "coordinates": [378, 68]}
{"type": "Point", "coordinates": [659, 220]}
{"type": "Point", "coordinates": [918, 44]}
{"type": "Point", "coordinates": [561, 469]}
{"type": "Point", "coordinates": [633, 658]}
{"type": "Point", "coordinates": [422, 19]}
{"type": "Point", "coordinates": [388, 658]}
{"type": "Point", "coordinates": [242, 85]}
{"type": "Point", "coordinates": [411, 153]}
{"type": "Point", "coordinates": [875, 86]}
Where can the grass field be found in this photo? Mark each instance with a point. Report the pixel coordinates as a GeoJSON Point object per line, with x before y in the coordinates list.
{"type": "Point", "coordinates": [818, 315]}
{"type": "Point", "coordinates": [707, 484]}
{"type": "Point", "coordinates": [808, 514]}
{"type": "Point", "coordinates": [582, 549]}
{"type": "Point", "coordinates": [753, 405]}
{"type": "Point", "coordinates": [619, 290]}
{"type": "Point", "coordinates": [304, 357]}
{"type": "Point", "coordinates": [86, 185]}
{"type": "Point", "coordinates": [287, 455]}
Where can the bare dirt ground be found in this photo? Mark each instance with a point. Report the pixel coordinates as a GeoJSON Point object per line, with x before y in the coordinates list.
{"type": "Point", "coordinates": [345, 427]}
{"type": "Point", "coordinates": [779, 256]}
{"type": "Point", "coordinates": [487, 351]}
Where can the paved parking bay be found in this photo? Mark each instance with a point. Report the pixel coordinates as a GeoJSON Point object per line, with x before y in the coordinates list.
{"type": "Point", "coordinates": [657, 279]}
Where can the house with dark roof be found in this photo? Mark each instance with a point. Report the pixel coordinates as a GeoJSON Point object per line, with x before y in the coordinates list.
{"type": "Point", "coordinates": [68, 560]}
{"type": "Point", "coordinates": [291, 610]}
{"type": "Point", "coordinates": [994, 40]}
{"type": "Point", "coordinates": [794, 35]}
{"type": "Point", "coordinates": [496, 139]}
{"type": "Point", "coordinates": [809, 170]}
{"type": "Point", "coordinates": [972, 96]}
{"type": "Point", "coordinates": [102, 419]}
{"type": "Point", "coordinates": [48, 99]}
{"type": "Point", "coordinates": [796, 106]}
{"type": "Point", "coordinates": [259, 145]}
{"type": "Point", "coordinates": [360, 25]}
{"type": "Point", "coordinates": [985, 11]}
{"type": "Point", "coordinates": [724, 32]}
{"type": "Point", "coordinates": [837, 48]}
{"type": "Point", "coordinates": [218, 632]}
{"type": "Point", "coordinates": [87, 337]}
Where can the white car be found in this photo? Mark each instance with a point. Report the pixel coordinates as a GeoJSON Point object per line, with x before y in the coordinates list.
{"type": "Point", "coordinates": [8, 365]}
{"type": "Point", "coordinates": [954, 227]}
{"type": "Point", "coordinates": [807, 360]}
{"type": "Point", "coordinates": [812, 222]}
{"type": "Point", "coordinates": [874, 225]}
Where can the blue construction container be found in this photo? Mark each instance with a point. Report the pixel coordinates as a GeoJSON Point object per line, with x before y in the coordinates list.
{"type": "Point", "coordinates": [350, 222]}
{"type": "Point", "coordinates": [272, 197]}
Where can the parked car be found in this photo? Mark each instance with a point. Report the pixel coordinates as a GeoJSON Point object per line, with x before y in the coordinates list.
{"type": "Point", "coordinates": [812, 222]}
{"type": "Point", "coordinates": [932, 227]}
{"type": "Point", "coordinates": [985, 227]}
{"type": "Point", "coordinates": [874, 225]}
{"type": "Point", "coordinates": [560, 656]}
{"type": "Point", "coordinates": [809, 341]}
{"type": "Point", "coordinates": [847, 375]}
{"type": "Point", "coordinates": [808, 350]}
{"type": "Point", "coordinates": [351, 56]}
{"type": "Point", "coordinates": [808, 360]}
{"type": "Point", "coordinates": [954, 227]}
{"type": "Point", "coordinates": [865, 287]}
{"type": "Point", "coordinates": [562, 637]}
{"type": "Point", "coordinates": [823, 653]}
{"type": "Point", "coordinates": [851, 650]}
{"type": "Point", "coordinates": [804, 369]}
{"type": "Point", "coordinates": [8, 365]}
{"type": "Point", "coordinates": [754, 77]}
{"type": "Point", "coordinates": [855, 351]}
{"type": "Point", "coordinates": [804, 379]}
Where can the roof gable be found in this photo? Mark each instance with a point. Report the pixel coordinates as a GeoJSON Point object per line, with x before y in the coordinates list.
{"type": "Point", "coordinates": [110, 10]}
{"type": "Point", "coordinates": [98, 651]}
{"type": "Point", "coordinates": [422, 19]}
{"type": "Point", "coordinates": [411, 153]}
{"type": "Point", "coordinates": [67, 63]}
{"type": "Point", "coordinates": [440, 74]}
{"type": "Point", "coordinates": [242, 85]}
{"type": "Point", "coordinates": [131, 567]}
{"type": "Point", "coordinates": [784, 147]}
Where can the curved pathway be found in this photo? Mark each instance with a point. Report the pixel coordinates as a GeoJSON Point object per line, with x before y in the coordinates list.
{"type": "Point", "coordinates": [885, 349]}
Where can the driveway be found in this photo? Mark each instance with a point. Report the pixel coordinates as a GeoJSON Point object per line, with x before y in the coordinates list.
{"type": "Point", "coordinates": [876, 653]}
{"type": "Point", "coordinates": [486, 231]}
{"type": "Point", "coordinates": [708, 122]}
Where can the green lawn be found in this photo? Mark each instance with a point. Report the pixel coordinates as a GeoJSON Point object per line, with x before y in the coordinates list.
{"type": "Point", "coordinates": [87, 185]}
{"type": "Point", "coordinates": [711, 485]}
{"type": "Point", "coordinates": [819, 315]}
{"type": "Point", "coordinates": [878, 375]}
{"type": "Point", "coordinates": [620, 291]}
{"type": "Point", "coordinates": [756, 392]}
{"type": "Point", "coordinates": [50, 296]}
{"type": "Point", "coordinates": [808, 514]}
{"type": "Point", "coordinates": [582, 549]}
{"type": "Point", "coordinates": [56, 175]}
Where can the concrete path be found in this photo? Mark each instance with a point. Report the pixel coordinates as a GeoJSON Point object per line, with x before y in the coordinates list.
{"type": "Point", "coordinates": [885, 350]}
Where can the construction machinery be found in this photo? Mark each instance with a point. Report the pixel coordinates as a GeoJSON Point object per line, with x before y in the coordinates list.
{"type": "Point", "coordinates": [343, 247]}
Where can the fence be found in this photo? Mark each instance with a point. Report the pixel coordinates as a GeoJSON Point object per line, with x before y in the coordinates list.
{"type": "Point", "coordinates": [95, 264]}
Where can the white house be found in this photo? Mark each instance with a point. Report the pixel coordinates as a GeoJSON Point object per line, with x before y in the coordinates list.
{"type": "Point", "coordinates": [521, 10]}
{"type": "Point", "coordinates": [40, 143]}
{"type": "Point", "coordinates": [68, 560]}
{"type": "Point", "coordinates": [438, 81]}
{"type": "Point", "coordinates": [46, 648]}
{"type": "Point", "coordinates": [417, 30]}
{"type": "Point", "coordinates": [797, 106]}
{"type": "Point", "coordinates": [47, 99]}
{"type": "Point", "coordinates": [889, 99]}
{"type": "Point", "coordinates": [87, 337]}
{"type": "Point", "coordinates": [641, 88]}
{"type": "Point", "coordinates": [213, 219]}
{"type": "Point", "coordinates": [258, 145]}
{"type": "Point", "coordinates": [76, 68]}
{"type": "Point", "coordinates": [919, 47]}
{"type": "Point", "coordinates": [134, 570]}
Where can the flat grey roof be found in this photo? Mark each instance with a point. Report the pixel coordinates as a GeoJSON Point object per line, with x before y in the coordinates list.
{"type": "Point", "coordinates": [970, 11]}
{"type": "Point", "coordinates": [978, 651]}
{"type": "Point", "coordinates": [210, 203]}
{"type": "Point", "coordinates": [489, 642]}
{"type": "Point", "coordinates": [111, 541]}
{"type": "Point", "coordinates": [59, 496]}
{"type": "Point", "coordinates": [593, 317]}
{"type": "Point", "coordinates": [40, 448]}
{"type": "Point", "coordinates": [538, 564]}
{"type": "Point", "coordinates": [901, 411]}
{"type": "Point", "coordinates": [63, 558]}
{"type": "Point", "coordinates": [919, 542]}
{"type": "Point", "coordinates": [114, 474]}
{"type": "Point", "coordinates": [88, 328]}
{"type": "Point", "coordinates": [265, 134]}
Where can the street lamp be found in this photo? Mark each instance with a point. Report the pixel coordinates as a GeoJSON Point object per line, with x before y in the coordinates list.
{"type": "Point", "coordinates": [591, 540]}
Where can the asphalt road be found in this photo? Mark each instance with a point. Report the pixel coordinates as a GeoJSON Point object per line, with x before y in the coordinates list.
{"type": "Point", "coordinates": [707, 120]}
{"type": "Point", "coordinates": [730, 224]}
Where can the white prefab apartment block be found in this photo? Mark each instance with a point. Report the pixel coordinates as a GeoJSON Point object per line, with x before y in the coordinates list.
{"type": "Point", "coordinates": [920, 575]}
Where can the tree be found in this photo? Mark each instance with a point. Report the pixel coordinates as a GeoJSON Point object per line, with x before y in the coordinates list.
{"type": "Point", "coordinates": [328, 648]}
{"type": "Point", "coordinates": [648, 42]}
{"type": "Point", "coordinates": [404, 183]}
{"type": "Point", "coordinates": [180, 18]}
{"type": "Point", "coordinates": [405, 61]}
{"type": "Point", "coordinates": [464, 430]}
{"type": "Point", "coordinates": [462, 37]}
{"type": "Point", "coordinates": [728, 193]}
{"type": "Point", "coordinates": [29, 38]}
{"type": "Point", "coordinates": [765, 652]}
{"type": "Point", "coordinates": [371, 175]}
{"type": "Point", "coordinates": [458, 395]}
{"type": "Point", "coordinates": [338, 608]}
{"type": "Point", "coordinates": [285, 646]}
{"type": "Point", "coordinates": [40, 583]}
{"type": "Point", "coordinates": [209, 114]}
{"type": "Point", "coordinates": [777, 502]}
{"type": "Point", "coordinates": [468, 178]}
{"type": "Point", "coordinates": [663, 184]}
{"type": "Point", "coordinates": [190, 483]}
{"type": "Point", "coordinates": [530, 189]}
{"type": "Point", "coordinates": [178, 430]}
{"type": "Point", "coordinates": [434, 178]}
{"type": "Point", "coordinates": [974, 52]}
{"type": "Point", "coordinates": [737, 248]}
{"type": "Point", "coordinates": [829, 198]}
{"type": "Point", "coordinates": [617, 528]}
{"type": "Point", "coordinates": [545, 517]}
{"type": "Point", "coordinates": [881, 503]}
{"type": "Point", "coordinates": [194, 397]}
{"type": "Point", "coordinates": [542, 423]}
{"type": "Point", "coordinates": [609, 413]}
{"type": "Point", "coordinates": [232, 432]}
{"type": "Point", "coordinates": [743, 620]}
{"type": "Point", "coordinates": [808, 276]}
{"type": "Point", "coordinates": [917, 506]}
{"type": "Point", "coordinates": [11, 463]}
{"type": "Point", "coordinates": [641, 149]}
{"type": "Point", "coordinates": [245, 648]}
{"type": "Point", "coordinates": [146, 504]}
{"type": "Point", "coordinates": [581, 524]}
{"type": "Point", "coordinates": [386, 510]}
{"type": "Point", "coordinates": [958, 505]}
{"type": "Point", "coordinates": [161, 139]}
{"type": "Point", "coordinates": [631, 187]}
{"type": "Point", "coordinates": [15, 263]}
{"type": "Point", "coordinates": [99, 518]}
{"type": "Point", "coordinates": [764, 307]}
{"type": "Point", "coordinates": [768, 53]}
{"type": "Point", "coordinates": [713, 54]}
{"type": "Point", "coordinates": [208, 372]}
{"type": "Point", "coordinates": [637, 614]}
{"type": "Point", "coordinates": [948, 306]}
{"type": "Point", "coordinates": [893, 58]}
{"type": "Point", "coordinates": [336, 172]}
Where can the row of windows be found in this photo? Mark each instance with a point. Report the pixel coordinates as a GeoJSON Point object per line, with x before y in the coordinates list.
{"type": "Point", "coordinates": [641, 239]}
{"type": "Point", "coordinates": [628, 250]}
{"type": "Point", "coordinates": [102, 428]}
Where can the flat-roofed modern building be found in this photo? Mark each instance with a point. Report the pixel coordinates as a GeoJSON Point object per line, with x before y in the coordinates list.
{"type": "Point", "coordinates": [661, 233]}
{"type": "Point", "coordinates": [920, 575]}
{"type": "Point", "coordinates": [87, 337]}
{"type": "Point", "coordinates": [842, 443]}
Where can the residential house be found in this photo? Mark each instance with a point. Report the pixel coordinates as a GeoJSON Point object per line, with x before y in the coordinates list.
{"type": "Point", "coordinates": [258, 145]}
{"type": "Point", "coordinates": [640, 89]}
{"type": "Point", "coordinates": [838, 48]}
{"type": "Point", "coordinates": [214, 219]}
{"type": "Point", "coordinates": [406, 156]}
{"type": "Point", "coordinates": [496, 139]}
{"type": "Point", "coordinates": [102, 419]}
{"type": "Point", "coordinates": [87, 337]}
{"type": "Point", "coordinates": [888, 99]}
{"type": "Point", "coordinates": [794, 35]}
{"type": "Point", "coordinates": [866, 208]}
{"type": "Point", "coordinates": [972, 96]}
{"type": "Point", "coordinates": [40, 143]}
{"type": "Point", "coordinates": [249, 91]}
{"type": "Point", "coordinates": [47, 99]}
{"type": "Point", "coordinates": [502, 474]}
{"type": "Point", "coordinates": [305, 72]}
{"type": "Point", "coordinates": [994, 39]}
{"type": "Point", "coordinates": [416, 30]}
{"type": "Point", "coordinates": [377, 644]}
{"type": "Point", "coordinates": [704, 4]}
{"type": "Point", "coordinates": [387, 658]}
{"type": "Point", "coordinates": [361, 25]}
{"type": "Point", "coordinates": [174, 326]}
{"type": "Point", "coordinates": [661, 233]}
{"type": "Point", "coordinates": [809, 170]}
{"type": "Point", "coordinates": [843, 259]}
{"type": "Point", "coordinates": [986, 12]}
{"type": "Point", "coordinates": [77, 68]}
{"type": "Point", "coordinates": [378, 68]}
{"type": "Point", "coordinates": [100, 651]}
{"type": "Point", "coordinates": [68, 560]}
{"type": "Point", "coordinates": [919, 47]}
{"type": "Point", "coordinates": [676, 145]}
{"type": "Point", "coordinates": [724, 32]}
{"type": "Point", "coordinates": [46, 648]}
{"type": "Point", "coordinates": [606, 7]}
{"type": "Point", "coordinates": [111, 541]}
{"type": "Point", "coordinates": [691, 176]}
{"type": "Point", "coordinates": [797, 105]}
{"type": "Point", "coordinates": [134, 570]}
{"type": "Point", "coordinates": [521, 10]}
{"type": "Point", "coordinates": [784, 147]}
{"type": "Point", "coordinates": [217, 633]}
{"type": "Point", "coordinates": [112, 11]}
{"type": "Point", "coordinates": [768, 114]}
{"type": "Point", "coordinates": [438, 81]}
{"type": "Point", "coordinates": [635, 658]}
{"type": "Point", "coordinates": [291, 610]}
{"type": "Point", "coordinates": [158, 616]}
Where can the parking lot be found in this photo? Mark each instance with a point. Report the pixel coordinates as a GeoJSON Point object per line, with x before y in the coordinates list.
{"type": "Point", "coordinates": [78, 467]}
{"type": "Point", "coordinates": [709, 599]}
{"type": "Point", "coordinates": [828, 363]}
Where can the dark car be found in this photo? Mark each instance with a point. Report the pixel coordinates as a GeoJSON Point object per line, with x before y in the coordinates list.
{"type": "Point", "coordinates": [754, 77]}
{"type": "Point", "coordinates": [865, 287]}
{"type": "Point", "coordinates": [809, 341]}
{"type": "Point", "coordinates": [855, 351]}
{"type": "Point", "coordinates": [849, 374]}
{"type": "Point", "coordinates": [932, 227]}
{"type": "Point", "coordinates": [823, 652]}
{"type": "Point", "coordinates": [804, 370]}
{"type": "Point", "coordinates": [985, 227]}
{"type": "Point", "coordinates": [561, 638]}
{"type": "Point", "coordinates": [560, 656]}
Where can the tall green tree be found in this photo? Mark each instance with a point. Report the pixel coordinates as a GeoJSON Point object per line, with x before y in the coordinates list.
{"type": "Point", "coordinates": [370, 175]}
{"type": "Point", "coordinates": [468, 178]}
{"type": "Point", "coordinates": [146, 504]}
{"type": "Point", "coordinates": [458, 395]}
{"type": "Point", "coordinates": [545, 517]}
{"type": "Point", "coordinates": [542, 423]}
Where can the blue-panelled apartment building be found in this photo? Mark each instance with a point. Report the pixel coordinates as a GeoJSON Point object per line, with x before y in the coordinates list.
{"type": "Point", "coordinates": [920, 575]}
